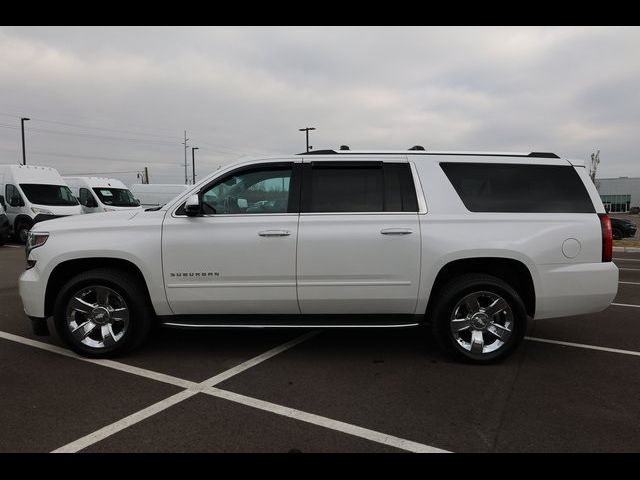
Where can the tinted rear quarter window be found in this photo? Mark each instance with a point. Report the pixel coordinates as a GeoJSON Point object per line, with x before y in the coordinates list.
{"type": "Point", "coordinates": [498, 187]}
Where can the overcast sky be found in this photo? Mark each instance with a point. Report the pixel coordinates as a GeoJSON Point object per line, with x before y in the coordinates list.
{"type": "Point", "coordinates": [106, 99]}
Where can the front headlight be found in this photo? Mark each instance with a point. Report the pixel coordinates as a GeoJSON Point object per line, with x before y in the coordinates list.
{"type": "Point", "coordinates": [41, 211]}
{"type": "Point", "coordinates": [34, 240]}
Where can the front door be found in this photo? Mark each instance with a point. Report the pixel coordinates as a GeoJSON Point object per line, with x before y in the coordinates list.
{"type": "Point", "coordinates": [239, 257]}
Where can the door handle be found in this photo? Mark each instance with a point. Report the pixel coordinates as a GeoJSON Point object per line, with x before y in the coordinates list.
{"type": "Point", "coordinates": [275, 233]}
{"type": "Point", "coordinates": [396, 231]}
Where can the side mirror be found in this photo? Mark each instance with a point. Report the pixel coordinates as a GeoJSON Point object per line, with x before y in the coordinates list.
{"type": "Point", "coordinates": [91, 202]}
{"type": "Point", "coordinates": [137, 202]}
{"type": "Point", "coordinates": [2, 202]}
{"type": "Point", "coordinates": [192, 206]}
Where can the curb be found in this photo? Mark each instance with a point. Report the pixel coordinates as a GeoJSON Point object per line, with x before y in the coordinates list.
{"type": "Point", "coordinates": [626, 249]}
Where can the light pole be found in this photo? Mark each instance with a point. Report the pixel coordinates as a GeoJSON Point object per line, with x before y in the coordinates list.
{"type": "Point", "coordinates": [24, 157]}
{"type": "Point", "coordinates": [307, 132]}
{"type": "Point", "coordinates": [193, 163]}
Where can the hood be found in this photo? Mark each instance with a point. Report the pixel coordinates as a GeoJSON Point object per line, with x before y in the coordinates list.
{"type": "Point", "coordinates": [91, 221]}
{"type": "Point", "coordinates": [58, 209]}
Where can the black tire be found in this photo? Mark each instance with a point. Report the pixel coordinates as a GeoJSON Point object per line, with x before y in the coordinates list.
{"type": "Point", "coordinates": [21, 231]}
{"type": "Point", "coordinates": [449, 297]}
{"type": "Point", "coordinates": [617, 234]}
{"type": "Point", "coordinates": [126, 285]}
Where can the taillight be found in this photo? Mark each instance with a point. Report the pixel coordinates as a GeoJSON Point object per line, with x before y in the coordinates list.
{"type": "Point", "coordinates": [607, 237]}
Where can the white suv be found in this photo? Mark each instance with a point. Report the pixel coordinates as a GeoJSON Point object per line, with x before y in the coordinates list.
{"type": "Point", "coordinates": [470, 244]}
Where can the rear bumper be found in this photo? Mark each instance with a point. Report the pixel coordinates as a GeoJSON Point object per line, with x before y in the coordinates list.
{"type": "Point", "coordinates": [577, 289]}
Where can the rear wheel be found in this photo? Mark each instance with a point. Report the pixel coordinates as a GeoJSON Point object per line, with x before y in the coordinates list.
{"type": "Point", "coordinates": [103, 313]}
{"type": "Point", "coordinates": [479, 318]}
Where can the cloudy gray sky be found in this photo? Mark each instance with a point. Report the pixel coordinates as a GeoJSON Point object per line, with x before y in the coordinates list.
{"type": "Point", "coordinates": [106, 99]}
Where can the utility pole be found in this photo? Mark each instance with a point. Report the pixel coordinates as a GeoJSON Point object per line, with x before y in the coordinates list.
{"type": "Point", "coordinates": [146, 175]}
{"type": "Point", "coordinates": [185, 157]}
{"type": "Point", "coordinates": [307, 132]}
{"type": "Point", "coordinates": [24, 156]}
{"type": "Point", "coordinates": [193, 163]}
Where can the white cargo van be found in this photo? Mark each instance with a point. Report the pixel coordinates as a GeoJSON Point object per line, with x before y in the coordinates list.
{"type": "Point", "coordinates": [97, 194]}
{"type": "Point", "coordinates": [33, 194]}
{"type": "Point", "coordinates": [156, 194]}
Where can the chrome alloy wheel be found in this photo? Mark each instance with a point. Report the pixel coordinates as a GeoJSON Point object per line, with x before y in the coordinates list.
{"type": "Point", "coordinates": [482, 322]}
{"type": "Point", "coordinates": [97, 317]}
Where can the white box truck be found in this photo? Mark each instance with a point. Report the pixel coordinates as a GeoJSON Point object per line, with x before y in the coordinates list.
{"type": "Point", "coordinates": [98, 194]}
{"type": "Point", "coordinates": [32, 194]}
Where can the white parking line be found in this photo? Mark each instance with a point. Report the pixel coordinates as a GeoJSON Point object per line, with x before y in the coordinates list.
{"type": "Point", "coordinates": [221, 377]}
{"type": "Point", "coordinates": [630, 269]}
{"type": "Point", "coordinates": [192, 389]}
{"type": "Point", "coordinates": [625, 305]}
{"type": "Point", "coordinates": [325, 422]}
{"type": "Point", "coordinates": [582, 345]}
{"type": "Point", "coordinates": [126, 422]}
{"type": "Point", "coordinates": [626, 259]}
{"type": "Point", "coordinates": [160, 377]}
{"type": "Point", "coordinates": [630, 283]}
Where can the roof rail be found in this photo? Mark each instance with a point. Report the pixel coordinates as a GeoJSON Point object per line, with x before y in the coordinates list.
{"type": "Point", "coordinates": [543, 155]}
{"type": "Point", "coordinates": [423, 151]}
{"type": "Point", "coordinates": [319, 152]}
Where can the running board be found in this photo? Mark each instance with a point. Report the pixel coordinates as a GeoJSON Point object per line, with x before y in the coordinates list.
{"type": "Point", "coordinates": [242, 325]}
{"type": "Point", "coordinates": [290, 321]}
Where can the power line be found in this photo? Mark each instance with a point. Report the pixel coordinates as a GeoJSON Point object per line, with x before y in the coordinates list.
{"type": "Point", "coordinates": [90, 157]}
{"type": "Point", "coordinates": [91, 135]}
{"type": "Point", "coordinates": [87, 127]}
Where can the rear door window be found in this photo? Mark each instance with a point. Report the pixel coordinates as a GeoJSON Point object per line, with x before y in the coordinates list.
{"type": "Point", "coordinates": [501, 187]}
{"type": "Point", "coordinates": [339, 187]}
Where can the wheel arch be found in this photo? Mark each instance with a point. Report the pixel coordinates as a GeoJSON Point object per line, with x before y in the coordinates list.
{"type": "Point", "coordinates": [514, 272]}
{"type": "Point", "coordinates": [69, 268]}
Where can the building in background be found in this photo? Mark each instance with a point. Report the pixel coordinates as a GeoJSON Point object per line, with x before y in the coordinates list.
{"type": "Point", "coordinates": [619, 195]}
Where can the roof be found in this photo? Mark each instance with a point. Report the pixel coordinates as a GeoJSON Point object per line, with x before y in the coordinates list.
{"type": "Point", "coordinates": [97, 182]}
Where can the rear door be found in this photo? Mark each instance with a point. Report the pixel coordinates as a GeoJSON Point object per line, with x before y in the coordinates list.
{"type": "Point", "coordinates": [358, 238]}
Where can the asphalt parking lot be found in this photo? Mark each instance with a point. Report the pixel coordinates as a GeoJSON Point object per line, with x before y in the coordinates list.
{"type": "Point", "coordinates": [573, 386]}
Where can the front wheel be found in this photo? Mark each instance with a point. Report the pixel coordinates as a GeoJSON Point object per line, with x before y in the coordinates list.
{"type": "Point", "coordinates": [22, 232]}
{"type": "Point", "coordinates": [102, 313]}
{"type": "Point", "coordinates": [479, 318]}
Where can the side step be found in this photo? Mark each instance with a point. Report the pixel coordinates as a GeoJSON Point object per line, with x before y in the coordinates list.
{"type": "Point", "coordinates": [289, 321]}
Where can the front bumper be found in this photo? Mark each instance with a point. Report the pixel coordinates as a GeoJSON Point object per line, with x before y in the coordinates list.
{"type": "Point", "coordinates": [32, 292]}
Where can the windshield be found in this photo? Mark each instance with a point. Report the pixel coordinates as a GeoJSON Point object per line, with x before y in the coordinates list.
{"type": "Point", "coordinates": [39, 194]}
{"type": "Point", "coordinates": [116, 197]}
